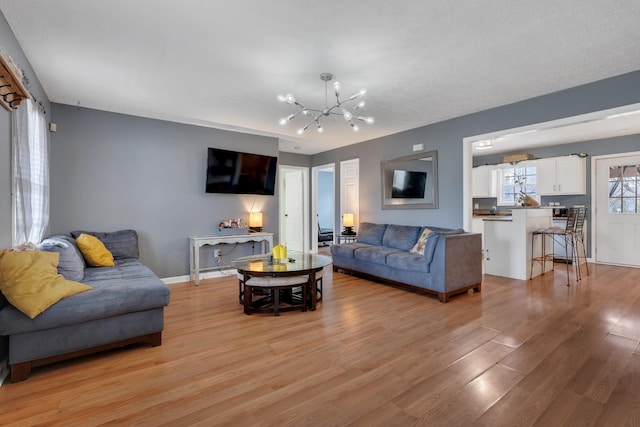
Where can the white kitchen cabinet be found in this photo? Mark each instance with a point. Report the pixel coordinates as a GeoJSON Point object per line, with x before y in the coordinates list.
{"type": "Point", "coordinates": [561, 176]}
{"type": "Point", "coordinates": [484, 181]}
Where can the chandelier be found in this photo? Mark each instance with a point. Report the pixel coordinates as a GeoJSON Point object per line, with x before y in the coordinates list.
{"type": "Point", "coordinates": [337, 109]}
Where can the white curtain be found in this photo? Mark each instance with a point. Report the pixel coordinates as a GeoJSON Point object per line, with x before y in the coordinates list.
{"type": "Point", "coordinates": [30, 173]}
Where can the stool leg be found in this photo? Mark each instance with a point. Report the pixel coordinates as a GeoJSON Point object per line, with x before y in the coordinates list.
{"type": "Point", "coordinates": [566, 257]}
{"type": "Point", "coordinates": [276, 301]}
{"type": "Point", "coordinates": [247, 299]}
{"type": "Point", "coordinates": [533, 238]}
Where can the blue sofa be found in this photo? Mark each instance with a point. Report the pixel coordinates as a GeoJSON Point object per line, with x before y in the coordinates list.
{"type": "Point", "coordinates": [125, 306]}
{"type": "Point", "coordinates": [451, 263]}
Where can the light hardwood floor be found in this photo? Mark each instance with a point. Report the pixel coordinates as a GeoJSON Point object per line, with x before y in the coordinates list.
{"type": "Point", "coordinates": [518, 353]}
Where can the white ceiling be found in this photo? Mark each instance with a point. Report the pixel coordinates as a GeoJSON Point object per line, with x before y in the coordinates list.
{"type": "Point", "coordinates": [221, 63]}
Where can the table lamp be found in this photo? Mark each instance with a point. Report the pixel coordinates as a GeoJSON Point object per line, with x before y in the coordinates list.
{"type": "Point", "coordinates": [255, 221]}
{"type": "Point", "coordinates": [347, 222]}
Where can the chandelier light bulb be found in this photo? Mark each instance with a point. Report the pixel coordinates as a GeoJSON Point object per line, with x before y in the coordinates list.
{"type": "Point", "coordinates": [337, 108]}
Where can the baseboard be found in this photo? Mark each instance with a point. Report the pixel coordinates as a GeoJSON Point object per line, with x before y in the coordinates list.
{"type": "Point", "coordinates": [4, 370]}
{"type": "Point", "coordinates": [223, 272]}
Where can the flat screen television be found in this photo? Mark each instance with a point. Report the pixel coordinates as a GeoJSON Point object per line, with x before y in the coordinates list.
{"type": "Point", "coordinates": [240, 173]}
{"type": "Point", "coordinates": [408, 184]}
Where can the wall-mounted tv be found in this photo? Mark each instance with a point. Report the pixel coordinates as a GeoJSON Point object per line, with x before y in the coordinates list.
{"type": "Point", "coordinates": [408, 184]}
{"type": "Point", "coordinates": [240, 173]}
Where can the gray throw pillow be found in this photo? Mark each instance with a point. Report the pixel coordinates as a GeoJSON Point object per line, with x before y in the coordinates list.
{"type": "Point", "coordinates": [71, 264]}
{"type": "Point", "coordinates": [122, 244]}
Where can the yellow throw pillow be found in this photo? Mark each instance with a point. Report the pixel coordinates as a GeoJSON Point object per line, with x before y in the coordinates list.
{"type": "Point", "coordinates": [94, 251]}
{"type": "Point", "coordinates": [31, 283]}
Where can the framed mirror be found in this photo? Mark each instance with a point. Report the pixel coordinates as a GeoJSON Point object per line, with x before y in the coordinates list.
{"type": "Point", "coordinates": [410, 182]}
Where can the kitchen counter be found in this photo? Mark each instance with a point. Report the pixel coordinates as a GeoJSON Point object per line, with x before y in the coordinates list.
{"type": "Point", "coordinates": [497, 218]}
{"type": "Point", "coordinates": [507, 243]}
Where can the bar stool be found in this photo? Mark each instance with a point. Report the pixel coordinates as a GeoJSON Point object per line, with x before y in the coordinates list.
{"type": "Point", "coordinates": [578, 240]}
{"type": "Point", "coordinates": [564, 235]}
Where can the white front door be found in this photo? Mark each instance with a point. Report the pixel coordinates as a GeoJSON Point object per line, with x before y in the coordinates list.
{"type": "Point", "coordinates": [617, 222]}
{"type": "Point", "coordinates": [293, 210]}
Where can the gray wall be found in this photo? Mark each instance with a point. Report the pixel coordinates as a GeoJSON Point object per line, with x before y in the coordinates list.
{"type": "Point", "coordinates": [447, 137]}
{"type": "Point", "coordinates": [11, 47]}
{"type": "Point", "coordinates": [112, 171]}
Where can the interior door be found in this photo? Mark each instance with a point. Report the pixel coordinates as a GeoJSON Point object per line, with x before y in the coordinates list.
{"type": "Point", "coordinates": [618, 210]}
{"type": "Point", "coordinates": [293, 210]}
{"type": "Point", "coordinates": [350, 189]}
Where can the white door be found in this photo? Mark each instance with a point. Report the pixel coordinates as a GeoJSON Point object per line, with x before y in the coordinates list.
{"type": "Point", "coordinates": [293, 193]}
{"type": "Point", "coordinates": [618, 210]}
{"type": "Point", "coordinates": [350, 189]}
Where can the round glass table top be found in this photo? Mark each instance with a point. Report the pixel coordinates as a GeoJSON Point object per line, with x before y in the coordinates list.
{"type": "Point", "coordinates": [295, 262]}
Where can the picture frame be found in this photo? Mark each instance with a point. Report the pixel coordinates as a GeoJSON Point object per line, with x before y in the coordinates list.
{"type": "Point", "coordinates": [410, 182]}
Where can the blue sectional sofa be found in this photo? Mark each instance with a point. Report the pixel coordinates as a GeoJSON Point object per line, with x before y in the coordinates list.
{"type": "Point", "coordinates": [125, 306]}
{"type": "Point", "coordinates": [451, 262]}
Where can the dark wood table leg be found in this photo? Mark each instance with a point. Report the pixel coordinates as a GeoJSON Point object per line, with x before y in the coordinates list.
{"type": "Point", "coordinates": [247, 299]}
{"type": "Point", "coordinates": [311, 286]}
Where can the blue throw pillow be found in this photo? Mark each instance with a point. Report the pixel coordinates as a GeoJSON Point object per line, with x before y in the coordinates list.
{"type": "Point", "coordinates": [71, 264]}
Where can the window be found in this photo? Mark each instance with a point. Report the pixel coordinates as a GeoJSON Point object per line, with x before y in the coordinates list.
{"type": "Point", "coordinates": [624, 189]}
{"type": "Point", "coordinates": [517, 182]}
{"type": "Point", "coordinates": [30, 174]}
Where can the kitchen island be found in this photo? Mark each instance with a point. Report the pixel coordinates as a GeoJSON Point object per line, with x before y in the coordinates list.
{"type": "Point", "coordinates": [507, 243]}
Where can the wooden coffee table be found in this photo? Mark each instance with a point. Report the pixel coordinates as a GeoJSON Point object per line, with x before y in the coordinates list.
{"type": "Point", "coordinates": [297, 264]}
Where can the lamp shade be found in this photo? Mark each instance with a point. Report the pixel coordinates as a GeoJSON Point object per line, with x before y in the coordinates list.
{"type": "Point", "coordinates": [255, 219]}
{"type": "Point", "coordinates": [347, 220]}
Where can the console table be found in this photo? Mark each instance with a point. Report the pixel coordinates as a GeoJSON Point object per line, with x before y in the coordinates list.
{"type": "Point", "coordinates": [196, 242]}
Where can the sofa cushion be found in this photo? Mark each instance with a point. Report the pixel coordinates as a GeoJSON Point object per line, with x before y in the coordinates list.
{"type": "Point", "coordinates": [401, 237]}
{"type": "Point", "coordinates": [347, 249]}
{"type": "Point", "coordinates": [71, 264]}
{"type": "Point", "coordinates": [94, 251]}
{"type": "Point", "coordinates": [122, 244]}
{"type": "Point", "coordinates": [128, 287]}
{"type": "Point", "coordinates": [374, 254]}
{"type": "Point", "coordinates": [371, 233]}
{"type": "Point", "coordinates": [31, 283]}
{"type": "Point", "coordinates": [409, 262]}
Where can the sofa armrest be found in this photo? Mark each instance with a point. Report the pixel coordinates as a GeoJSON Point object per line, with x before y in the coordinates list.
{"type": "Point", "coordinates": [463, 260]}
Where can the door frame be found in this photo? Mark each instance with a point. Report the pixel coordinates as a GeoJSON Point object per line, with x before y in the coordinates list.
{"type": "Point", "coordinates": [314, 202]}
{"type": "Point", "coordinates": [594, 197]}
{"type": "Point", "coordinates": [282, 169]}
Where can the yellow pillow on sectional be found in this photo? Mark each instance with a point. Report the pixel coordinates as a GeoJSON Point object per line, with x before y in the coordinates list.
{"type": "Point", "coordinates": [94, 251]}
{"type": "Point", "coordinates": [31, 283]}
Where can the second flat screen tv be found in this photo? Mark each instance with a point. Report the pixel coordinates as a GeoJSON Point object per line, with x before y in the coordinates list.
{"type": "Point", "coordinates": [240, 173]}
{"type": "Point", "coordinates": [408, 184]}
